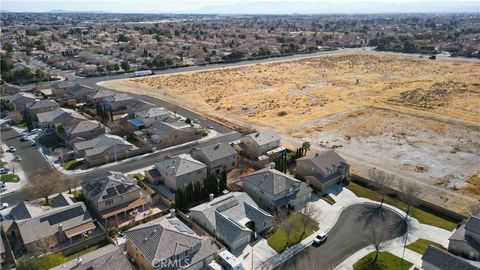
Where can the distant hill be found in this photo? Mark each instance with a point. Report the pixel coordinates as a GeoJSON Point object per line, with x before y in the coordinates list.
{"type": "Point", "coordinates": [70, 11]}
{"type": "Point", "coordinates": [322, 7]}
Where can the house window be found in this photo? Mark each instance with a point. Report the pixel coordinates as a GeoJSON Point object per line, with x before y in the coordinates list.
{"type": "Point", "coordinates": [233, 164]}
{"type": "Point", "coordinates": [199, 172]}
{"type": "Point", "coordinates": [109, 202]}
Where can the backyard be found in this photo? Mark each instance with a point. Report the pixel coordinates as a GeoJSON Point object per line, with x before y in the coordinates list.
{"type": "Point", "coordinates": [281, 239]}
{"type": "Point", "coordinates": [422, 215]}
{"type": "Point", "coordinates": [385, 261]}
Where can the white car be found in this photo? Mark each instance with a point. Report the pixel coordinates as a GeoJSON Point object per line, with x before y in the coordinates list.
{"type": "Point", "coordinates": [3, 185]}
{"type": "Point", "coordinates": [18, 158]}
{"type": "Point", "coordinates": [3, 206]}
{"type": "Point", "coordinates": [320, 239]}
{"type": "Point", "coordinates": [4, 170]}
{"type": "Point", "coordinates": [12, 149]}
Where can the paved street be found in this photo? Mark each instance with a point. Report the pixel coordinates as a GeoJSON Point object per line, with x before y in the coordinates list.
{"type": "Point", "coordinates": [349, 235]}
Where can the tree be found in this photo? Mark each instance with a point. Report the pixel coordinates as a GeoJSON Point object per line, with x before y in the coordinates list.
{"type": "Point", "coordinates": [377, 239]}
{"type": "Point", "coordinates": [384, 182]}
{"type": "Point", "coordinates": [288, 226]}
{"type": "Point", "coordinates": [125, 66]}
{"type": "Point", "coordinates": [410, 192]}
{"type": "Point", "coordinates": [100, 69]}
{"type": "Point", "coordinates": [45, 182]}
{"type": "Point", "coordinates": [26, 263]}
{"type": "Point", "coordinates": [306, 147]}
{"type": "Point", "coordinates": [188, 121]}
{"type": "Point", "coordinates": [60, 129]}
{"type": "Point", "coordinates": [307, 216]}
{"type": "Point", "coordinates": [7, 105]}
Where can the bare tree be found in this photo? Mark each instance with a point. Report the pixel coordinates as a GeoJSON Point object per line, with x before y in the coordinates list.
{"type": "Point", "coordinates": [281, 215]}
{"type": "Point", "coordinates": [377, 239]}
{"type": "Point", "coordinates": [307, 215]}
{"type": "Point", "coordinates": [384, 182]}
{"type": "Point", "coordinates": [288, 226]}
{"type": "Point", "coordinates": [410, 192]}
{"type": "Point", "coordinates": [44, 182]}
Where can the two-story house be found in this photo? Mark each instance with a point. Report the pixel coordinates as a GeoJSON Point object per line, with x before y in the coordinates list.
{"type": "Point", "coordinates": [113, 197]}
{"type": "Point", "coordinates": [40, 106]}
{"type": "Point", "coordinates": [59, 117]}
{"type": "Point", "coordinates": [179, 171]}
{"type": "Point", "coordinates": [465, 241]}
{"type": "Point", "coordinates": [103, 149]}
{"type": "Point", "coordinates": [323, 169]}
{"type": "Point", "coordinates": [167, 134]}
{"type": "Point", "coordinates": [274, 190]}
{"type": "Point", "coordinates": [167, 243]}
{"type": "Point", "coordinates": [259, 143]}
{"type": "Point", "coordinates": [152, 115]}
{"type": "Point", "coordinates": [218, 157]}
{"type": "Point", "coordinates": [82, 131]}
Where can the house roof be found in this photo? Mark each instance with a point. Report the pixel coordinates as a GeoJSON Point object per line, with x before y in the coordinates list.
{"type": "Point", "coordinates": [234, 206]}
{"type": "Point", "coordinates": [83, 126]}
{"type": "Point", "coordinates": [139, 105]}
{"type": "Point", "coordinates": [153, 112]}
{"type": "Point", "coordinates": [79, 90]}
{"type": "Point", "coordinates": [118, 98]}
{"type": "Point", "coordinates": [105, 188]}
{"type": "Point", "coordinates": [101, 144]}
{"type": "Point", "coordinates": [59, 116]}
{"type": "Point", "coordinates": [109, 257]}
{"type": "Point", "coordinates": [324, 160]}
{"type": "Point", "coordinates": [63, 84]}
{"type": "Point", "coordinates": [25, 210]}
{"type": "Point", "coordinates": [179, 165]}
{"type": "Point", "coordinates": [47, 223]}
{"type": "Point", "coordinates": [473, 224]}
{"type": "Point", "coordinates": [445, 261]}
{"type": "Point", "coordinates": [217, 151]}
{"type": "Point", "coordinates": [100, 94]}
{"type": "Point", "coordinates": [273, 181]}
{"type": "Point", "coordinates": [163, 238]}
{"type": "Point", "coordinates": [44, 103]}
{"type": "Point", "coordinates": [25, 97]}
{"type": "Point", "coordinates": [136, 122]}
{"type": "Point", "coordinates": [264, 137]}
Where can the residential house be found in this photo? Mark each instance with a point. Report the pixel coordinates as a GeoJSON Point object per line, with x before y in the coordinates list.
{"type": "Point", "coordinates": [167, 243]}
{"type": "Point", "coordinates": [219, 157]}
{"type": "Point", "coordinates": [167, 134]}
{"type": "Point", "coordinates": [103, 149]}
{"type": "Point", "coordinates": [98, 96]}
{"type": "Point", "coordinates": [79, 92]}
{"type": "Point", "coordinates": [21, 100]}
{"type": "Point", "coordinates": [35, 231]}
{"type": "Point", "coordinates": [109, 257]}
{"type": "Point", "coordinates": [179, 171]}
{"type": "Point", "coordinates": [437, 259]}
{"type": "Point", "coordinates": [41, 106]}
{"type": "Point", "coordinates": [59, 117]}
{"type": "Point", "coordinates": [138, 105]}
{"type": "Point", "coordinates": [323, 169]}
{"type": "Point", "coordinates": [82, 131]}
{"type": "Point", "coordinates": [118, 101]}
{"type": "Point", "coordinates": [152, 115]}
{"type": "Point", "coordinates": [9, 89]}
{"type": "Point", "coordinates": [59, 89]}
{"type": "Point", "coordinates": [259, 143]}
{"type": "Point", "coordinates": [113, 195]}
{"type": "Point", "coordinates": [233, 218]}
{"type": "Point", "coordinates": [3, 252]}
{"type": "Point", "coordinates": [274, 190]}
{"type": "Point", "coordinates": [465, 241]}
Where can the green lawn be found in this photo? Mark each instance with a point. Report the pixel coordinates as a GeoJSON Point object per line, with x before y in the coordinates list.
{"type": "Point", "coordinates": [54, 259]}
{"type": "Point", "coordinates": [72, 164]}
{"type": "Point", "coordinates": [385, 261]}
{"type": "Point", "coordinates": [421, 245]}
{"type": "Point", "coordinates": [328, 199]}
{"type": "Point", "coordinates": [422, 215]}
{"type": "Point", "coordinates": [9, 177]}
{"type": "Point", "coordinates": [278, 240]}
{"type": "Point", "coordinates": [22, 124]}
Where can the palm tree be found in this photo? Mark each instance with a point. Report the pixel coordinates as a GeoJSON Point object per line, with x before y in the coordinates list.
{"type": "Point", "coordinates": [7, 105]}
{"type": "Point", "coordinates": [306, 146]}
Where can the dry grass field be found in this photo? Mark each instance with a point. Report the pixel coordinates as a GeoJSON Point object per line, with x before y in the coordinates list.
{"type": "Point", "coordinates": [409, 115]}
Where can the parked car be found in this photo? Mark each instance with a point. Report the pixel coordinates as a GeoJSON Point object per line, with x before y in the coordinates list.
{"type": "Point", "coordinates": [3, 185]}
{"type": "Point", "coordinates": [12, 149]}
{"type": "Point", "coordinates": [18, 158]}
{"type": "Point", "coordinates": [320, 239]}
{"type": "Point", "coordinates": [3, 206]}
{"type": "Point", "coordinates": [24, 138]}
{"type": "Point", "coordinates": [4, 170]}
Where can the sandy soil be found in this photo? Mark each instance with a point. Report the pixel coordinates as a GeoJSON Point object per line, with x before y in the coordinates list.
{"type": "Point", "coordinates": [409, 115]}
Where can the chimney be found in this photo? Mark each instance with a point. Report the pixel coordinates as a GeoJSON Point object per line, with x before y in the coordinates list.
{"type": "Point", "coordinates": [172, 213]}
{"type": "Point", "coordinates": [60, 233]}
{"type": "Point", "coordinates": [211, 196]}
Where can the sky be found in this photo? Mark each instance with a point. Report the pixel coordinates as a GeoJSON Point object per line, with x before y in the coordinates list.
{"type": "Point", "coordinates": [150, 6]}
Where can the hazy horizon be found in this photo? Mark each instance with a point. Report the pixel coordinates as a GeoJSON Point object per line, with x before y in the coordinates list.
{"type": "Point", "coordinates": [245, 6]}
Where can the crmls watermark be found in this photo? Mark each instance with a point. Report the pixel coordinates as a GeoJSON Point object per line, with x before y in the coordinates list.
{"type": "Point", "coordinates": [171, 263]}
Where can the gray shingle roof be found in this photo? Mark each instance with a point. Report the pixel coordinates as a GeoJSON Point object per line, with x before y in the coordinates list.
{"type": "Point", "coordinates": [139, 105]}
{"type": "Point", "coordinates": [42, 104]}
{"type": "Point", "coordinates": [105, 188]}
{"type": "Point", "coordinates": [228, 229]}
{"type": "Point", "coordinates": [445, 261]}
{"type": "Point", "coordinates": [101, 144]}
{"type": "Point", "coordinates": [473, 224]}
{"type": "Point", "coordinates": [272, 181]}
{"type": "Point", "coordinates": [153, 112]}
{"type": "Point", "coordinates": [83, 126]}
{"type": "Point", "coordinates": [179, 165]}
{"type": "Point", "coordinates": [265, 137]}
{"type": "Point", "coordinates": [59, 116]}
{"type": "Point", "coordinates": [217, 151]}
{"type": "Point", "coordinates": [162, 238]}
{"type": "Point", "coordinates": [46, 224]}
{"type": "Point", "coordinates": [100, 94]}
{"type": "Point", "coordinates": [324, 160]}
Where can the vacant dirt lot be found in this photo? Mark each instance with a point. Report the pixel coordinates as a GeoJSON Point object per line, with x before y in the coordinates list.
{"type": "Point", "coordinates": [409, 115]}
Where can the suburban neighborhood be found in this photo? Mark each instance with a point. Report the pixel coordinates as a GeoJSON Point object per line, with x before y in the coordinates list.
{"type": "Point", "coordinates": [134, 178]}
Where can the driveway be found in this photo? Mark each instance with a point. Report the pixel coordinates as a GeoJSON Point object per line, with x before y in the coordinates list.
{"type": "Point", "coordinates": [350, 234]}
